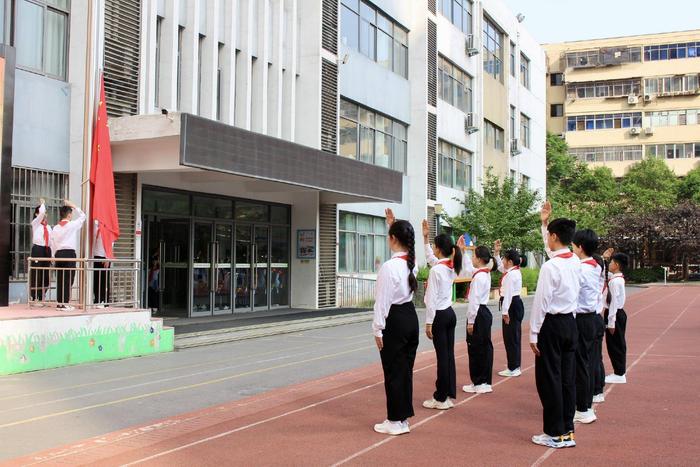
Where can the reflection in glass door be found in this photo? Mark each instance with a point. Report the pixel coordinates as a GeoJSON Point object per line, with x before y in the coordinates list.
{"type": "Point", "coordinates": [202, 269]}
{"type": "Point", "coordinates": [223, 249]}
{"type": "Point", "coordinates": [279, 266]}
{"type": "Point", "coordinates": [173, 252]}
{"type": "Point", "coordinates": [261, 265]}
{"type": "Point", "coordinates": [243, 267]}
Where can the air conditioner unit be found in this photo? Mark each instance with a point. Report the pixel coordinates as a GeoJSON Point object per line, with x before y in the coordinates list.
{"type": "Point", "coordinates": [470, 48]}
{"type": "Point", "coordinates": [514, 147]}
{"type": "Point", "coordinates": [632, 100]}
{"type": "Point", "coordinates": [647, 97]}
{"type": "Point", "coordinates": [635, 131]}
{"type": "Point", "coordinates": [649, 130]}
{"type": "Point", "coordinates": [469, 126]}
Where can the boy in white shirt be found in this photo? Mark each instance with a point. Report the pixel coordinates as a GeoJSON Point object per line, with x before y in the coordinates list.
{"type": "Point", "coordinates": [616, 319]}
{"type": "Point", "coordinates": [66, 237]}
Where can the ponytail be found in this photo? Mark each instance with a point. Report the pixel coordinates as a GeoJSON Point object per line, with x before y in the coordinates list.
{"type": "Point", "coordinates": [457, 261]}
{"type": "Point", "coordinates": [494, 265]}
{"type": "Point", "coordinates": [403, 232]}
{"type": "Point", "coordinates": [447, 248]}
{"type": "Point", "coordinates": [484, 254]}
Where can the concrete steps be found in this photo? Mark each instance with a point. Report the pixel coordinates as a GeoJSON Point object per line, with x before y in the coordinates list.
{"type": "Point", "coordinates": [232, 334]}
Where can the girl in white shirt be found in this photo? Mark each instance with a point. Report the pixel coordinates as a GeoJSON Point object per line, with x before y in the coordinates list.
{"type": "Point", "coordinates": [395, 325]}
{"type": "Point", "coordinates": [616, 319]}
{"type": "Point", "coordinates": [440, 318]}
{"type": "Point", "coordinates": [41, 248]}
{"type": "Point", "coordinates": [511, 307]}
{"type": "Point", "coordinates": [479, 320]}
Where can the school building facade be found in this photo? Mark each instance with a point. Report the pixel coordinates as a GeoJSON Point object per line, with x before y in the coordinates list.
{"type": "Point", "coordinates": [256, 143]}
{"type": "Point", "coordinates": [619, 100]}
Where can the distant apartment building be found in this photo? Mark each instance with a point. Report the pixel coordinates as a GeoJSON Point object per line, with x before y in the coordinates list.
{"type": "Point", "coordinates": [256, 143]}
{"type": "Point", "coordinates": [619, 100]}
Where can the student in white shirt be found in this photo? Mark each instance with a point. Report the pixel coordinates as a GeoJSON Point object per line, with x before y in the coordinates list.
{"type": "Point", "coordinates": [511, 307]}
{"type": "Point", "coordinates": [100, 279]}
{"type": "Point", "coordinates": [616, 319]}
{"type": "Point", "coordinates": [395, 325]}
{"type": "Point", "coordinates": [65, 244]}
{"type": "Point", "coordinates": [41, 248]}
{"type": "Point", "coordinates": [479, 320]}
{"type": "Point", "coordinates": [440, 319]}
{"type": "Point", "coordinates": [599, 367]}
{"type": "Point", "coordinates": [554, 336]}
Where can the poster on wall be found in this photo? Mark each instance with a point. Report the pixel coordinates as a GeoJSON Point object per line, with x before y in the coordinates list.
{"type": "Point", "coordinates": [306, 244]}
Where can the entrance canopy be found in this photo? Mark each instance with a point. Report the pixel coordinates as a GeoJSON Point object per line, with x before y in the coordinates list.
{"type": "Point", "coordinates": [198, 146]}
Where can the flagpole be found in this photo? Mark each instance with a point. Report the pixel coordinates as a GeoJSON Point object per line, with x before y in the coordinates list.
{"type": "Point", "coordinates": [87, 138]}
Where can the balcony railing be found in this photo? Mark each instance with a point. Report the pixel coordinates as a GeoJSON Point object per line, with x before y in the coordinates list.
{"type": "Point", "coordinates": [83, 283]}
{"type": "Point", "coordinates": [355, 291]}
{"type": "Point", "coordinates": [603, 57]}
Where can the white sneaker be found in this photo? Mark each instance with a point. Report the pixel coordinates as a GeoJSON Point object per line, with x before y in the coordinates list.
{"type": "Point", "coordinates": [433, 404]}
{"type": "Point", "coordinates": [585, 417]}
{"type": "Point", "coordinates": [599, 398]}
{"type": "Point", "coordinates": [615, 379]}
{"type": "Point", "coordinates": [568, 440]}
{"type": "Point", "coordinates": [555, 442]}
{"type": "Point", "coordinates": [391, 428]}
{"type": "Point", "coordinates": [100, 306]}
{"type": "Point", "coordinates": [484, 388]}
{"type": "Point", "coordinates": [37, 304]}
{"type": "Point", "coordinates": [469, 388]}
{"type": "Point", "coordinates": [405, 427]}
{"type": "Point", "coordinates": [508, 374]}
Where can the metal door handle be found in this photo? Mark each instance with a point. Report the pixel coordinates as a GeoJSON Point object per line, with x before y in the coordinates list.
{"type": "Point", "coordinates": [212, 267]}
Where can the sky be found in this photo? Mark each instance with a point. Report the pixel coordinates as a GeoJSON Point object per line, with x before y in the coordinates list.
{"type": "Point", "coordinates": [566, 20]}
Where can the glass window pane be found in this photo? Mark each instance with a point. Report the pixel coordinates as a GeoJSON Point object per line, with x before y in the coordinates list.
{"type": "Point", "coordinates": [384, 24]}
{"type": "Point", "coordinates": [212, 207]}
{"type": "Point", "coordinates": [30, 30]}
{"type": "Point", "coordinates": [349, 28]}
{"type": "Point", "coordinates": [280, 244]}
{"type": "Point", "coordinates": [382, 155]}
{"type": "Point", "coordinates": [367, 118]}
{"type": "Point", "coordinates": [56, 34]}
{"type": "Point", "coordinates": [399, 159]}
{"type": "Point", "coordinates": [383, 124]}
{"type": "Point", "coordinates": [347, 221]}
{"type": "Point", "coordinates": [62, 4]}
{"type": "Point", "coordinates": [348, 138]}
{"type": "Point", "coordinates": [346, 252]}
{"type": "Point", "coordinates": [364, 224]}
{"type": "Point", "coordinates": [384, 49]}
{"type": "Point", "coordinates": [379, 225]}
{"type": "Point", "coordinates": [279, 214]}
{"type": "Point", "coordinates": [366, 145]}
{"type": "Point", "coordinates": [354, 5]}
{"type": "Point", "coordinates": [251, 212]}
{"type": "Point", "coordinates": [166, 202]}
{"type": "Point", "coordinates": [348, 110]}
{"type": "Point", "coordinates": [368, 13]}
{"type": "Point", "coordinates": [380, 246]}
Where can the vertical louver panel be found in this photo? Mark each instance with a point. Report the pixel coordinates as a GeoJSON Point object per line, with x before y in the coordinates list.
{"type": "Point", "coordinates": [122, 50]}
{"type": "Point", "coordinates": [431, 6]}
{"type": "Point", "coordinates": [329, 107]}
{"type": "Point", "coordinates": [327, 255]}
{"type": "Point", "coordinates": [432, 222]}
{"type": "Point", "coordinates": [432, 63]}
{"type": "Point", "coordinates": [330, 26]}
{"type": "Point", "coordinates": [432, 156]}
{"type": "Point", "coordinates": [125, 191]}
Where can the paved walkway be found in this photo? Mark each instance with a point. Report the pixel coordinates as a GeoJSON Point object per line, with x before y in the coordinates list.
{"type": "Point", "coordinates": [650, 421]}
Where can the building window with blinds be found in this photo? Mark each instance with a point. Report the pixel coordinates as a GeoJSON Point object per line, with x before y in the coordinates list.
{"type": "Point", "coordinates": [363, 246]}
{"type": "Point", "coordinates": [41, 36]}
{"type": "Point", "coordinates": [493, 50]}
{"type": "Point", "coordinates": [371, 137]}
{"type": "Point", "coordinates": [455, 167]}
{"type": "Point", "coordinates": [525, 130]}
{"type": "Point", "coordinates": [28, 186]}
{"type": "Point", "coordinates": [455, 85]}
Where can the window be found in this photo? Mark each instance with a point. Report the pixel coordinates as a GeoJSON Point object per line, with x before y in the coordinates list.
{"type": "Point", "coordinates": [372, 137]}
{"type": "Point", "coordinates": [525, 181]}
{"type": "Point", "coordinates": [159, 45]}
{"type": "Point", "coordinates": [458, 12]}
{"type": "Point", "coordinates": [604, 121]}
{"type": "Point", "coordinates": [28, 185]}
{"type": "Point", "coordinates": [607, 153]}
{"type": "Point", "coordinates": [363, 246]}
{"type": "Point", "coordinates": [556, 110]}
{"type": "Point", "coordinates": [603, 89]}
{"type": "Point", "coordinates": [455, 85]}
{"type": "Point", "coordinates": [556, 79]}
{"type": "Point", "coordinates": [668, 85]}
{"type": "Point", "coordinates": [525, 71]}
{"type": "Point", "coordinates": [180, 34]}
{"type": "Point", "coordinates": [672, 118]}
{"type": "Point", "coordinates": [512, 122]}
{"type": "Point", "coordinates": [493, 136]}
{"type": "Point", "coordinates": [672, 51]}
{"type": "Point", "coordinates": [372, 33]}
{"type": "Point", "coordinates": [455, 166]}
{"type": "Point", "coordinates": [605, 56]}
{"type": "Point", "coordinates": [512, 59]}
{"type": "Point", "coordinates": [41, 36]}
{"type": "Point", "coordinates": [525, 130]}
{"type": "Point", "coordinates": [674, 150]}
{"type": "Point", "coordinates": [493, 50]}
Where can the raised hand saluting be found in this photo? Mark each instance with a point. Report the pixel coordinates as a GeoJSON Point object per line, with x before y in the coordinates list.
{"type": "Point", "coordinates": [390, 218]}
{"type": "Point", "coordinates": [546, 212]}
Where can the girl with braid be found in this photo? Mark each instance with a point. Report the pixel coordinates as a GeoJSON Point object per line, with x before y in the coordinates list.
{"type": "Point", "coordinates": [395, 325]}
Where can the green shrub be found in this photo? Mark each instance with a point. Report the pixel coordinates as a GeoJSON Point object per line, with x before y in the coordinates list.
{"type": "Point", "coordinates": [495, 279]}
{"type": "Point", "coordinates": [423, 272]}
{"type": "Point", "coordinates": [530, 276]}
{"type": "Point", "coordinates": [645, 275]}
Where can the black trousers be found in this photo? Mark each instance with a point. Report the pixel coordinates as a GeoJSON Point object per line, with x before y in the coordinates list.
{"type": "Point", "coordinates": [616, 343]}
{"type": "Point", "coordinates": [444, 342]}
{"type": "Point", "coordinates": [100, 281]}
{"type": "Point", "coordinates": [40, 279]}
{"type": "Point", "coordinates": [480, 348]}
{"type": "Point", "coordinates": [64, 278]}
{"type": "Point", "coordinates": [555, 373]}
{"type": "Point", "coordinates": [598, 367]}
{"type": "Point", "coordinates": [398, 356]}
{"type": "Point", "coordinates": [512, 332]}
{"type": "Point", "coordinates": [585, 360]}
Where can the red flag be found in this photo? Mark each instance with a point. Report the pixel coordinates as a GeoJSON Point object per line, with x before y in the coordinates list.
{"type": "Point", "coordinates": [103, 208]}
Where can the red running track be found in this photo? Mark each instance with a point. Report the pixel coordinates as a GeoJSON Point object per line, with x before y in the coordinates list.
{"type": "Point", "coordinates": [649, 421]}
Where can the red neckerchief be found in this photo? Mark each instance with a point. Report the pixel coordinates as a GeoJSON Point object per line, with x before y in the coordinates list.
{"type": "Point", "coordinates": [63, 222]}
{"type": "Point", "coordinates": [565, 255]}
{"type": "Point", "coordinates": [403, 257]}
{"type": "Point", "coordinates": [590, 262]}
{"type": "Point", "coordinates": [447, 263]}
{"type": "Point", "coordinates": [500, 282]}
{"type": "Point", "coordinates": [46, 233]}
{"type": "Point", "coordinates": [605, 285]}
{"type": "Point", "coordinates": [469, 289]}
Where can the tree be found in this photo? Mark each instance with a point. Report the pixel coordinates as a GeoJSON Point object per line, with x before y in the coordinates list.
{"type": "Point", "coordinates": [506, 211]}
{"type": "Point", "coordinates": [648, 185]}
{"type": "Point", "coordinates": [689, 187]}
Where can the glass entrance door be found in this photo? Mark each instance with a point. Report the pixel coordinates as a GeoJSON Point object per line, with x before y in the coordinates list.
{"type": "Point", "coordinates": [223, 254]}
{"type": "Point", "coordinates": [252, 267]}
{"type": "Point", "coordinates": [211, 268]}
{"type": "Point", "coordinates": [261, 267]}
{"type": "Point", "coordinates": [173, 255]}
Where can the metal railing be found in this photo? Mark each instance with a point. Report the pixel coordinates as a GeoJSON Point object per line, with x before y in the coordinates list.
{"type": "Point", "coordinates": [83, 283]}
{"type": "Point", "coordinates": [355, 291]}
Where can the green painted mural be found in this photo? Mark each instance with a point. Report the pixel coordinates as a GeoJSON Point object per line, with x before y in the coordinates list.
{"type": "Point", "coordinates": [42, 350]}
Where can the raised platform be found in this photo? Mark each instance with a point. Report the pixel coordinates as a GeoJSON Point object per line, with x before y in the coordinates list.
{"type": "Point", "coordinates": [39, 338]}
